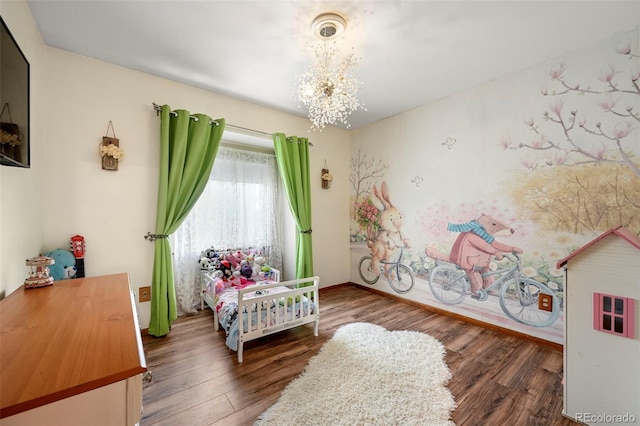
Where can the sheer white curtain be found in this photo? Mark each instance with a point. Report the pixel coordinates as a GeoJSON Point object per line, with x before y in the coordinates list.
{"type": "Point", "coordinates": [238, 209]}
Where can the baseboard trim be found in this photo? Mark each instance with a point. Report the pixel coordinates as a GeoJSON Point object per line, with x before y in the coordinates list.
{"type": "Point", "coordinates": [555, 346]}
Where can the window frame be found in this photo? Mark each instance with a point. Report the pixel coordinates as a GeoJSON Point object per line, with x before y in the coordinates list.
{"type": "Point", "coordinates": [626, 318]}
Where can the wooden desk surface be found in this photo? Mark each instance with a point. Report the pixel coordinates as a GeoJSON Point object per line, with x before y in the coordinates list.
{"type": "Point", "coordinates": [61, 340]}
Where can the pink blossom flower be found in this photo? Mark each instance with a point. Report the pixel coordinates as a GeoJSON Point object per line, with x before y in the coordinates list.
{"type": "Point", "coordinates": [528, 121]}
{"type": "Point", "coordinates": [599, 152]}
{"type": "Point", "coordinates": [556, 71]}
{"type": "Point", "coordinates": [538, 141]}
{"type": "Point", "coordinates": [529, 164]}
{"type": "Point", "coordinates": [607, 103]}
{"type": "Point", "coordinates": [506, 141]}
{"type": "Point", "coordinates": [635, 75]}
{"type": "Point", "coordinates": [543, 90]}
{"type": "Point", "coordinates": [556, 106]}
{"type": "Point", "coordinates": [606, 74]}
{"type": "Point", "coordinates": [561, 157]}
{"type": "Point", "coordinates": [622, 129]}
{"type": "Point", "coordinates": [624, 48]}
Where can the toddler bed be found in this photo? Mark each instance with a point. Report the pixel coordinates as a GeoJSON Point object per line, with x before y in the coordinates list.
{"type": "Point", "coordinates": [254, 310]}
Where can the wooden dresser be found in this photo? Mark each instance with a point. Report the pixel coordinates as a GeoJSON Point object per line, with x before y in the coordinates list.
{"type": "Point", "coordinates": [71, 354]}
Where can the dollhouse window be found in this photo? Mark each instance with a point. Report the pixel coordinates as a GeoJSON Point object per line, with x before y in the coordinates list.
{"type": "Point", "coordinates": [613, 314]}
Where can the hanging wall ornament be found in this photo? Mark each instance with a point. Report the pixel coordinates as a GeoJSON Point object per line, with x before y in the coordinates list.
{"type": "Point", "coordinates": [326, 176]}
{"type": "Point", "coordinates": [110, 150]}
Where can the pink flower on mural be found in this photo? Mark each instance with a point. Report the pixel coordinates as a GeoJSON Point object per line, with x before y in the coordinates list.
{"type": "Point", "coordinates": [556, 106]}
{"type": "Point", "coordinates": [529, 164]}
{"type": "Point", "coordinates": [556, 71]}
{"type": "Point", "coordinates": [561, 157]}
{"type": "Point", "coordinates": [506, 141]}
{"type": "Point", "coordinates": [606, 74]}
{"type": "Point", "coordinates": [622, 130]}
{"type": "Point", "coordinates": [529, 121]}
{"type": "Point", "coordinates": [599, 152]}
{"type": "Point", "coordinates": [607, 103]}
{"type": "Point", "coordinates": [635, 75]}
{"type": "Point", "coordinates": [538, 141]}
{"type": "Point", "coordinates": [624, 48]}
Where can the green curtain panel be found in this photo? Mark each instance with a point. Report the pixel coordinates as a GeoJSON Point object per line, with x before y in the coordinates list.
{"type": "Point", "coordinates": [292, 154]}
{"type": "Point", "coordinates": [188, 147]}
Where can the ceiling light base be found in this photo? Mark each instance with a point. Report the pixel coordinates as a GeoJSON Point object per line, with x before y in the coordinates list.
{"type": "Point", "coordinates": [328, 26]}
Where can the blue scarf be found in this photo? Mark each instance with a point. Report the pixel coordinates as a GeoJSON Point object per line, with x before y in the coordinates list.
{"type": "Point", "coordinates": [472, 226]}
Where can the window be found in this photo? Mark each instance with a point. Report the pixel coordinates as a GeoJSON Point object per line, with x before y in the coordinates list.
{"type": "Point", "coordinates": [613, 314]}
{"type": "Point", "coordinates": [239, 209]}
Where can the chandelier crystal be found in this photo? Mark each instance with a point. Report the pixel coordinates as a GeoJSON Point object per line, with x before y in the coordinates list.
{"type": "Point", "coordinates": [328, 89]}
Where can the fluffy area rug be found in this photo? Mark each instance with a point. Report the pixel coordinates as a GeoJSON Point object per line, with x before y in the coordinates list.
{"type": "Point", "coordinates": [367, 375]}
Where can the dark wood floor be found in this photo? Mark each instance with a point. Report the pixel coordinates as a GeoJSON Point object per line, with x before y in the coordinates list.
{"type": "Point", "coordinates": [497, 379]}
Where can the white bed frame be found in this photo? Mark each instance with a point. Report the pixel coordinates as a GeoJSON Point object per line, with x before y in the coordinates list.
{"type": "Point", "coordinates": [281, 324]}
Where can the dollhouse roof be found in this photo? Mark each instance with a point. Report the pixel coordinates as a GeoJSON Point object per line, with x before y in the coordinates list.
{"type": "Point", "coordinates": [620, 231]}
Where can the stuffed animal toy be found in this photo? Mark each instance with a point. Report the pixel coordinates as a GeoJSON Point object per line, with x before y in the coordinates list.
{"type": "Point", "coordinates": [266, 270]}
{"type": "Point", "coordinates": [229, 257]}
{"type": "Point", "coordinates": [210, 253]}
{"type": "Point", "coordinates": [64, 266]}
{"type": "Point", "coordinates": [246, 271]}
{"type": "Point", "coordinates": [205, 263]}
{"type": "Point", "coordinates": [70, 272]}
{"type": "Point", "coordinates": [225, 267]}
{"type": "Point", "coordinates": [240, 256]}
{"type": "Point", "coordinates": [219, 285]}
{"type": "Point", "coordinates": [258, 263]}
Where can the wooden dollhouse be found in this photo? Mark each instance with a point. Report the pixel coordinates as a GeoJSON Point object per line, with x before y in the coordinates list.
{"type": "Point", "coordinates": [602, 327]}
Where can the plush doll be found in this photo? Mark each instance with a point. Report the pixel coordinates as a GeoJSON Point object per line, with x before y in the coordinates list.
{"type": "Point", "coordinates": [266, 270]}
{"type": "Point", "coordinates": [229, 257]}
{"type": "Point", "coordinates": [239, 256]}
{"type": "Point", "coordinates": [246, 271]}
{"type": "Point", "coordinates": [64, 266]}
{"type": "Point", "coordinates": [219, 285]}
{"type": "Point", "coordinates": [210, 253]}
{"type": "Point", "coordinates": [205, 263]}
{"type": "Point", "coordinates": [258, 263]}
{"type": "Point", "coordinates": [69, 272]}
{"type": "Point", "coordinates": [225, 267]}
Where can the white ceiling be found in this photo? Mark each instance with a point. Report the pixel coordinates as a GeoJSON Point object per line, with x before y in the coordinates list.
{"type": "Point", "coordinates": [412, 52]}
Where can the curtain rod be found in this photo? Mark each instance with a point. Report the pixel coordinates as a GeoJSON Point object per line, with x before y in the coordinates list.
{"type": "Point", "coordinates": [158, 108]}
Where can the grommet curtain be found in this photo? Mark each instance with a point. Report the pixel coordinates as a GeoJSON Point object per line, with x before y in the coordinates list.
{"type": "Point", "coordinates": [292, 155]}
{"type": "Point", "coordinates": [188, 147]}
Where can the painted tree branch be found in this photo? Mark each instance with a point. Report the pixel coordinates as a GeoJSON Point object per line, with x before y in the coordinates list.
{"type": "Point", "coordinates": [364, 172]}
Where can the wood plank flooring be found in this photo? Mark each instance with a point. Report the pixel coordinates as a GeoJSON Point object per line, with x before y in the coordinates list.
{"type": "Point", "coordinates": [497, 379]}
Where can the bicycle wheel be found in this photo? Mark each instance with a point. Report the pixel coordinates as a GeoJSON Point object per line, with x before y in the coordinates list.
{"type": "Point", "coordinates": [519, 300]}
{"type": "Point", "coordinates": [401, 278]}
{"type": "Point", "coordinates": [366, 271]}
{"type": "Point", "coordinates": [448, 284]}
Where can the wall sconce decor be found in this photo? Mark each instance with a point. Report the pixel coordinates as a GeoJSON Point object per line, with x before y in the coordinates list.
{"type": "Point", "coordinates": [110, 150]}
{"type": "Point", "coordinates": [39, 272]}
{"type": "Point", "coordinates": [326, 177]}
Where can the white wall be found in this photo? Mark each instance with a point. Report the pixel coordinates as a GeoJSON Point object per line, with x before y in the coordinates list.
{"type": "Point", "coordinates": [21, 204]}
{"type": "Point", "coordinates": [114, 210]}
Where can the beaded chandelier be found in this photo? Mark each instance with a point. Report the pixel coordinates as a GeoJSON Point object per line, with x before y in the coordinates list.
{"type": "Point", "coordinates": [328, 88]}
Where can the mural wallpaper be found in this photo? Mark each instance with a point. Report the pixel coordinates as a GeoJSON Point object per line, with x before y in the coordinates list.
{"type": "Point", "coordinates": [468, 203]}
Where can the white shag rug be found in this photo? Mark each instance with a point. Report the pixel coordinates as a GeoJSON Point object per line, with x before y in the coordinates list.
{"type": "Point", "coordinates": [367, 375]}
